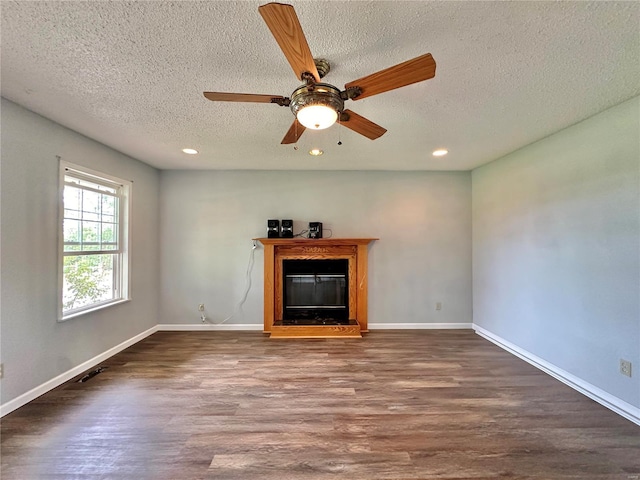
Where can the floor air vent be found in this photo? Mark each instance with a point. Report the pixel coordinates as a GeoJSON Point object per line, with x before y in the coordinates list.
{"type": "Point", "coordinates": [91, 374]}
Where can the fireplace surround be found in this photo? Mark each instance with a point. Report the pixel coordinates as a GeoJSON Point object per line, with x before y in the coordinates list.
{"type": "Point", "coordinates": [329, 280]}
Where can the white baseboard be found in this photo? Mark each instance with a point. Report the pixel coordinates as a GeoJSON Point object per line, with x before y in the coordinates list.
{"type": "Point", "coordinates": [34, 393]}
{"type": "Point", "coordinates": [188, 327]}
{"type": "Point", "coordinates": [419, 326]}
{"type": "Point", "coordinates": [177, 327]}
{"type": "Point", "coordinates": [605, 399]}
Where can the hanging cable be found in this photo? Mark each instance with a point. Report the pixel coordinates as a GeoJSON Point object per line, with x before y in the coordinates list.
{"type": "Point", "coordinates": [239, 305]}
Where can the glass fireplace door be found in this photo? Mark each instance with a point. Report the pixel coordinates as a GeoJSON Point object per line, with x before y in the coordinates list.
{"type": "Point", "coordinates": [316, 289]}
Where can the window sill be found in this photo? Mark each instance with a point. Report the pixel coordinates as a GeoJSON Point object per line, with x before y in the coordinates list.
{"type": "Point", "coordinates": [64, 318]}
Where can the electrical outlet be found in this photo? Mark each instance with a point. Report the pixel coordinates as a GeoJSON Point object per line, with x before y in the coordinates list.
{"type": "Point", "coordinates": [625, 367]}
{"type": "Point", "coordinates": [438, 306]}
{"type": "Point", "coordinates": [203, 316]}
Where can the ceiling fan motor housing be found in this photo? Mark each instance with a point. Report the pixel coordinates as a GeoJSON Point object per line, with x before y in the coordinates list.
{"type": "Point", "coordinates": [321, 94]}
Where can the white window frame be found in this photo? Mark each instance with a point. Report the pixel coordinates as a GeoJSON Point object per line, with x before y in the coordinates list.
{"type": "Point", "coordinates": [122, 259]}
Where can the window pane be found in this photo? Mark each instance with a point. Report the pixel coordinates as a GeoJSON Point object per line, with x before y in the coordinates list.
{"type": "Point", "coordinates": [69, 213]}
{"type": "Point", "coordinates": [90, 233]}
{"type": "Point", "coordinates": [88, 279]}
{"type": "Point", "coordinates": [72, 198]}
{"type": "Point", "coordinates": [71, 229]}
{"type": "Point", "coordinates": [91, 216]}
{"type": "Point", "coordinates": [108, 205]}
{"type": "Point", "coordinates": [98, 215]}
{"type": "Point", "coordinates": [91, 205]}
{"type": "Point", "coordinates": [109, 236]}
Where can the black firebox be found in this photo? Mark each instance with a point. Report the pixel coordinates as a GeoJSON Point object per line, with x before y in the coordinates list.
{"type": "Point", "coordinates": [316, 291]}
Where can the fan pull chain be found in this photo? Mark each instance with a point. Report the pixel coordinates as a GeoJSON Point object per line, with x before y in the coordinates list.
{"type": "Point", "coordinates": [339, 131]}
{"type": "Point", "coordinates": [295, 145]}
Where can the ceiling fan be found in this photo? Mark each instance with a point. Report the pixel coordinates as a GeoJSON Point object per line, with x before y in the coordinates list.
{"type": "Point", "coordinates": [319, 105]}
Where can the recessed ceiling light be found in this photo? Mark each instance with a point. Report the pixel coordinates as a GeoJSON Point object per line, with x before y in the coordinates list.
{"type": "Point", "coordinates": [441, 152]}
{"type": "Point", "coordinates": [316, 152]}
{"type": "Point", "coordinates": [190, 151]}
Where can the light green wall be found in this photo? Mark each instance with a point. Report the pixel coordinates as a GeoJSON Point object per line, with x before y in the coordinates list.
{"type": "Point", "coordinates": [556, 249]}
{"type": "Point", "coordinates": [422, 220]}
{"type": "Point", "coordinates": [34, 347]}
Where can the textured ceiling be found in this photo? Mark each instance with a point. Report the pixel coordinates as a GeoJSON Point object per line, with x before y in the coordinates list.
{"type": "Point", "coordinates": [131, 75]}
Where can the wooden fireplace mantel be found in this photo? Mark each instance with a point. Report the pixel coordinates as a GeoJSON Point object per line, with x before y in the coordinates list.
{"type": "Point", "coordinates": [355, 250]}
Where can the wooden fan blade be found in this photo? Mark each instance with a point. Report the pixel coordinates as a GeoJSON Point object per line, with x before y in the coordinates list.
{"type": "Point", "coordinates": [295, 132]}
{"type": "Point", "coordinates": [412, 71]}
{"type": "Point", "coordinates": [285, 27]}
{"type": "Point", "coordinates": [361, 125]}
{"type": "Point", "coordinates": [242, 97]}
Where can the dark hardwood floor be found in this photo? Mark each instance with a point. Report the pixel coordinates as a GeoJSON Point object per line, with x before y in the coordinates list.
{"type": "Point", "coordinates": [401, 405]}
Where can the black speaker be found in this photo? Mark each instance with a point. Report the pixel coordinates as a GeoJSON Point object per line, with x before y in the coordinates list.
{"type": "Point", "coordinates": [273, 228]}
{"type": "Point", "coordinates": [315, 229]}
{"type": "Point", "coordinates": [287, 229]}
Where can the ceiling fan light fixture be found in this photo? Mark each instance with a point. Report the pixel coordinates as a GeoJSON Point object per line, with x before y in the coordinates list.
{"type": "Point", "coordinates": [317, 117]}
{"type": "Point", "coordinates": [317, 107]}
